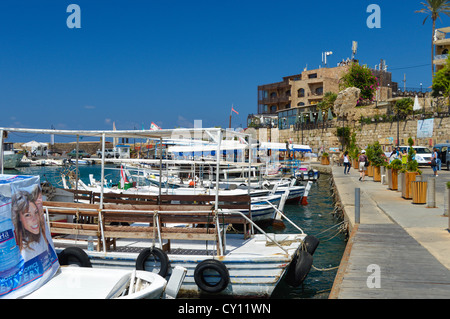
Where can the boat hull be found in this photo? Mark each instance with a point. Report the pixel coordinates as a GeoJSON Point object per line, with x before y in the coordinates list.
{"type": "Point", "coordinates": [11, 161]}
{"type": "Point", "coordinates": [255, 267]}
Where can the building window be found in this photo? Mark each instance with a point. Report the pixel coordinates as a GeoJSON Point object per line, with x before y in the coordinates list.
{"type": "Point", "coordinates": [273, 109]}
{"type": "Point", "coordinates": [273, 95]}
{"type": "Point", "coordinates": [312, 76]}
{"type": "Point", "coordinates": [300, 104]}
{"type": "Point", "coordinates": [319, 91]}
{"type": "Point", "coordinates": [301, 92]}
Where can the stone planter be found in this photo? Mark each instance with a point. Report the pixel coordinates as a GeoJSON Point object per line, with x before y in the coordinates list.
{"type": "Point", "coordinates": [408, 177]}
{"type": "Point", "coordinates": [419, 192]}
{"type": "Point", "coordinates": [393, 179]}
{"type": "Point", "coordinates": [376, 174]}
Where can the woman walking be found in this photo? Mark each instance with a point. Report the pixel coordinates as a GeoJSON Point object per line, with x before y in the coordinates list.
{"type": "Point", "coordinates": [434, 163]}
{"type": "Point", "coordinates": [362, 165]}
{"type": "Point", "coordinates": [346, 163]}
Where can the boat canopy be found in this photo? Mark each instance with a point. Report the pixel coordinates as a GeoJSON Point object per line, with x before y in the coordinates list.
{"type": "Point", "coordinates": [283, 147]}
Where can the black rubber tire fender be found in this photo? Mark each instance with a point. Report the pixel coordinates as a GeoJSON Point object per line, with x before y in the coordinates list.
{"type": "Point", "coordinates": [158, 255]}
{"type": "Point", "coordinates": [310, 243]}
{"type": "Point", "coordinates": [299, 268]}
{"type": "Point", "coordinates": [74, 256]}
{"type": "Point", "coordinates": [214, 265]}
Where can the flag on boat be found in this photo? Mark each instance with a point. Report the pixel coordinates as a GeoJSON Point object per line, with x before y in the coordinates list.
{"type": "Point", "coordinates": [123, 176]}
{"type": "Point", "coordinates": [154, 127]}
{"type": "Point", "coordinates": [233, 110]}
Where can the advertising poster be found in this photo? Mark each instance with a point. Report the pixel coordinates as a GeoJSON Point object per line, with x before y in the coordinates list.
{"type": "Point", "coordinates": [425, 128]}
{"type": "Point", "coordinates": [27, 255]}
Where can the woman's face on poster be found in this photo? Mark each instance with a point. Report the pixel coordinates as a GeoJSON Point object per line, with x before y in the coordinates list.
{"type": "Point", "coordinates": [30, 219]}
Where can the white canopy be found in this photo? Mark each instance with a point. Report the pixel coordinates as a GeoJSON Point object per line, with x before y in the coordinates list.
{"type": "Point", "coordinates": [282, 147]}
{"type": "Point", "coordinates": [34, 144]}
{"type": "Point", "coordinates": [225, 145]}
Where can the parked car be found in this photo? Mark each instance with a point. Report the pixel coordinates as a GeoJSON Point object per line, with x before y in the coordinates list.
{"type": "Point", "coordinates": [444, 154]}
{"type": "Point", "coordinates": [423, 154]}
{"type": "Point", "coordinates": [109, 153]}
{"type": "Point", "coordinates": [81, 154]}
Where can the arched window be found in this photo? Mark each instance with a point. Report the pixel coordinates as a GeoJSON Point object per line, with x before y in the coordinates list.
{"type": "Point", "coordinates": [301, 92]}
{"type": "Point", "coordinates": [300, 104]}
{"type": "Point", "coordinates": [319, 91]}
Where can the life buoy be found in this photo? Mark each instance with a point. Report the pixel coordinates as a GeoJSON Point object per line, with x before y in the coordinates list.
{"type": "Point", "coordinates": [74, 256]}
{"type": "Point", "coordinates": [311, 244]}
{"type": "Point", "coordinates": [158, 257]}
{"type": "Point", "coordinates": [218, 278]}
{"type": "Point", "coordinates": [299, 268]}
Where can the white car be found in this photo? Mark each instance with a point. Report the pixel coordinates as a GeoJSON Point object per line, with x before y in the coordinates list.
{"type": "Point", "coordinates": [423, 154]}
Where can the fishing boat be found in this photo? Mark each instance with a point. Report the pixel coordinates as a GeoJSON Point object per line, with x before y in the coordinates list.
{"type": "Point", "coordinates": [199, 237]}
{"type": "Point", "coordinates": [11, 158]}
{"type": "Point", "coordinates": [30, 265]}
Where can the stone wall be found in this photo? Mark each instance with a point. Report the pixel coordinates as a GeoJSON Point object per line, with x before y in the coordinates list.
{"type": "Point", "coordinates": [365, 134]}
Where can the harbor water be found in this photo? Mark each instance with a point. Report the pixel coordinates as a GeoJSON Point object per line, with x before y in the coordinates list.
{"type": "Point", "coordinates": [316, 218]}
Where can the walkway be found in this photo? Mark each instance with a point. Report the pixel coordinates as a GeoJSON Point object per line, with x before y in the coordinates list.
{"type": "Point", "coordinates": [399, 250]}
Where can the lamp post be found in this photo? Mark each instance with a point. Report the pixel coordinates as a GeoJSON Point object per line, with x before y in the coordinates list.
{"type": "Point", "coordinates": [398, 129]}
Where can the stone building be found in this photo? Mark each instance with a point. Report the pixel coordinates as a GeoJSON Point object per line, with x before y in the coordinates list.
{"type": "Point", "coordinates": [280, 104]}
{"type": "Point", "coordinates": [441, 47]}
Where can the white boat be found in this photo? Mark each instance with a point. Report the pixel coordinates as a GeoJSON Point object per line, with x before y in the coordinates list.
{"type": "Point", "coordinates": [101, 283]}
{"type": "Point", "coordinates": [218, 261]}
{"type": "Point", "coordinates": [34, 271]}
{"type": "Point", "coordinates": [11, 158]}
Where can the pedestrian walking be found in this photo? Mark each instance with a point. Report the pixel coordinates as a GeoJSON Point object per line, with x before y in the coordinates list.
{"type": "Point", "coordinates": [363, 163]}
{"type": "Point", "coordinates": [347, 164]}
{"type": "Point", "coordinates": [434, 163]}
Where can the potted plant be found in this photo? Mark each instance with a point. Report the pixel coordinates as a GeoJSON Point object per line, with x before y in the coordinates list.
{"type": "Point", "coordinates": [353, 151]}
{"type": "Point", "coordinates": [378, 160]}
{"type": "Point", "coordinates": [411, 171]}
{"type": "Point", "coordinates": [325, 159]}
{"type": "Point", "coordinates": [370, 157]}
{"type": "Point", "coordinates": [393, 169]}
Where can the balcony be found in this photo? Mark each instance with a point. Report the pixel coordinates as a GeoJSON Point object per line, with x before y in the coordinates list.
{"type": "Point", "coordinates": [440, 36]}
{"type": "Point", "coordinates": [440, 59]}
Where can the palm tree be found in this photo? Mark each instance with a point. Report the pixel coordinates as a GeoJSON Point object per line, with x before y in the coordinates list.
{"type": "Point", "coordinates": [434, 9]}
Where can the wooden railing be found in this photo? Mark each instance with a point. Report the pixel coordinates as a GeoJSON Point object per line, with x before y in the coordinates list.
{"type": "Point", "coordinates": [197, 213]}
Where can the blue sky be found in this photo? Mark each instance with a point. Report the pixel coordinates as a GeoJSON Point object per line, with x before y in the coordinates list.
{"type": "Point", "coordinates": [172, 62]}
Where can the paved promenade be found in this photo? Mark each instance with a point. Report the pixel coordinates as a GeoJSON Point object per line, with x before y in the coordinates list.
{"type": "Point", "coordinates": [399, 249]}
